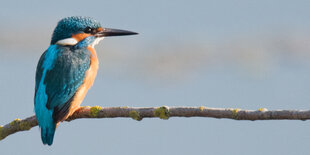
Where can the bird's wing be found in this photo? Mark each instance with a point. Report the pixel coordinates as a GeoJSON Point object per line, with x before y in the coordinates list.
{"type": "Point", "coordinates": [62, 79]}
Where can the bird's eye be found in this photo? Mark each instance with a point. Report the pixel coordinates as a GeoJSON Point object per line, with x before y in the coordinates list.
{"type": "Point", "coordinates": [88, 30]}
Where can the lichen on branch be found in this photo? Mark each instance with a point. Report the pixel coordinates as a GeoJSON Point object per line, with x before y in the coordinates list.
{"type": "Point", "coordinates": [164, 112]}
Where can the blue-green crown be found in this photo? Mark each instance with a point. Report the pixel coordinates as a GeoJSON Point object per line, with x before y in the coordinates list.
{"type": "Point", "coordinates": [72, 25]}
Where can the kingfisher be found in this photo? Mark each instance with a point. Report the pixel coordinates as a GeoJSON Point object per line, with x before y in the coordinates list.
{"type": "Point", "coordinates": [66, 70]}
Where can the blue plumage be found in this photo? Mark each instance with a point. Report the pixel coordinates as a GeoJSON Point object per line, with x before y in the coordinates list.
{"type": "Point", "coordinates": [70, 68]}
{"type": "Point", "coordinates": [72, 25]}
{"type": "Point", "coordinates": [44, 115]}
{"type": "Point", "coordinates": [66, 70]}
{"type": "Point", "coordinates": [60, 73]}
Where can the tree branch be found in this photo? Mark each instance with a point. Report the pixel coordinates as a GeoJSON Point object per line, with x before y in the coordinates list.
{"type": "Point", "coordinates": [163, 112]}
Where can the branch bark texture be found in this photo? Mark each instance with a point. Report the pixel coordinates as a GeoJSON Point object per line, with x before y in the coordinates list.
{"type": "Point", "coordinates": [164, 112]}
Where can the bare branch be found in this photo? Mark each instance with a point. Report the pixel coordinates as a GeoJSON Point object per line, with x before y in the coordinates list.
{"type": "Point", "coordinates": [163, 112]}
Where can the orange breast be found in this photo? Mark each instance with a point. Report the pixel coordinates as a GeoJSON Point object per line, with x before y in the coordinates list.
{"type": "Point", "coordinates": [90, 76]}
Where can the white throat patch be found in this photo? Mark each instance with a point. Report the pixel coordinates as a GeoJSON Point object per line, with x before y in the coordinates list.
{"type": "Point", "coordinates": [72, 41]}
{"type": "Point", "coordinates": [67, 41]}
{"type": "Point", "coordinates": [96, 41]}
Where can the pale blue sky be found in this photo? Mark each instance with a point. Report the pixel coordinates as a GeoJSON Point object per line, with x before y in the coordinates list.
{"type": "Point", "coordinates": [232, 53]}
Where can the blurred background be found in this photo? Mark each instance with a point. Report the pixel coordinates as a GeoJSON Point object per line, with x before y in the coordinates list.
{"type": "Point", "coordinates": [226, 54]}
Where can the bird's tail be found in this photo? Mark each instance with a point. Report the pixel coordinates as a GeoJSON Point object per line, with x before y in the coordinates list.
{"type": "Point", "coordinates": [47, 133]}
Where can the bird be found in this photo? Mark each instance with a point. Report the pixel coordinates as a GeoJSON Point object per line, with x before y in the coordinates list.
{"type": "Point", "coordinates": [66, 71]}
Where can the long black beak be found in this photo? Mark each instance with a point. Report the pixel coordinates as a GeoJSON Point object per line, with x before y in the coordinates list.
{"type": "Point", "coordinates": [107, 32]}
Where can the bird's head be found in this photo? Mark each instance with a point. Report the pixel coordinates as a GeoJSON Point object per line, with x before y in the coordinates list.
{"type": "Point", "coordinates": [72, 30]}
